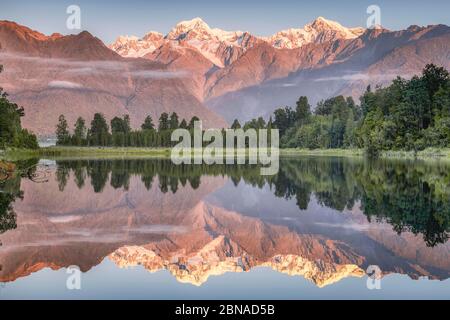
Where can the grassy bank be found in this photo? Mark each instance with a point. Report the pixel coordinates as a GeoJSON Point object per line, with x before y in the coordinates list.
{"type": "Point", "coordinates": [17, 154]}
{"type": "Point", "coordinates": [427, 154]}
{"type": "Point", "coordinates": [103, 152]}
{"type": "Point", "coordinates": [111, 152]}
{"type": "Point", "coordinates": [431, 153]}
{"type": "Point", "coordinates": [322, 152]}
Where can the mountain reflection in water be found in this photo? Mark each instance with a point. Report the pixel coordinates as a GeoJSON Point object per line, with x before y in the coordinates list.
{"type": "Point", "coordinates": [324, 219]}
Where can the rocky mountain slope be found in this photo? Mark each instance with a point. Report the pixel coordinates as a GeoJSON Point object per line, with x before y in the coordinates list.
{"type": "Point", "coordinates": [321, 71]}
{"type": "Point", "coordinates": [242, 76]}
{"type": "Point", "coordinates": [78, 75]}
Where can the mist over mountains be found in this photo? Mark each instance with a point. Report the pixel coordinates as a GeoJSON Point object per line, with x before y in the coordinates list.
{"type": "Point", "coordinates": [197, 70]}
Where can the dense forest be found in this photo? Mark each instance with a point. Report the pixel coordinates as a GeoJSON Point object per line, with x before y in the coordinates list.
{"type": "Point", "coordinates": [11, 132]}
{"type": "Point", "coordinates": [119, 133]}
{"type": "Point", "coordinates": [407, 115]}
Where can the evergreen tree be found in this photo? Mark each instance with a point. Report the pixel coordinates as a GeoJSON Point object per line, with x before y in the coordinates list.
{"type": "Point", "coordinates": [163, 122]}
{"type": "Point", "coordinates": [193, 120]}
{"type": "Point", "coordinates": [260, 123]}
{"type": "Point", "coordinates": [303, 110]}
{"type": "Point", "coordinates": [148, 124]}
{"type": "Point", "coordinates": [62, 131]}
{"type": "Point", "coordinates": [117, 125]}
{"type": "Point", "coordinates": [183, 124]}
{"type": "Point", "coordinates": [121, 125]}
{"type": "Point", "coordinates": [99, 131]}
{"type": "Point", "coordinates": [80, 132]}
{"type": "Point", "coordinates": [173, 122]}
{"type": "Point", "coordinates": [236, 124]}
{"type": "Point", "coordinates": [270, 124]}
{"type": "Point", "coordinates": [121, 129]}
{"type": "Point", "coordinates": [126, 124]}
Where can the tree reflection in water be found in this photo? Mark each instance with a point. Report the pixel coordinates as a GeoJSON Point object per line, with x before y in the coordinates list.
{"type": "Point", "coordinates": [412, 196]}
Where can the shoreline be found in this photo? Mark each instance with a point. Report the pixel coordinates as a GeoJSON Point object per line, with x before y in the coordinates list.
{"type": "Point", "coordinates": [114, 152]}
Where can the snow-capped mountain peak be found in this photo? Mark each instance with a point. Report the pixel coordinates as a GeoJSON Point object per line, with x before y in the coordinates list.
{"type": "Point", "coordinates": [319, 31]}
{"type": "Point", "coordinates": [133, 47]}
{"type": "Point", "coordinates": [322, 23]}
{"type": "Point", "coordinates": [153, 35]}
{"type": "Point", "coordinates": [223, 47]}
{"type": "Point", "coordinates": [197, 29]}
{"type": "Point", "coordinates": [217, 45]}
{"type": "Point", "coordinates": [184, 27]}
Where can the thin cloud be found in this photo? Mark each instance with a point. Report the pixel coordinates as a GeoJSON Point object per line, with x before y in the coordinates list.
{"type": "Point", "coordinates": [64, 219]}
{"type": "Point", "coordinates": [363, 77]}
{"type": "Point", "coordinates": [349, 226]}
{"type": "Point", "coordinates": [159, 74]}
{"type": "Point", "coordinates": [81, 71]}
{"type": "Point", "coordinates": [288, 85]}
{"type": "Point", "coordinates": [157, 229]}
{"type": "Point", "coordinates": [347, 77]}
{"type": "Point", "coordinates": [72, 65]}
{"type": "Point", "coordinates": [57, 84]}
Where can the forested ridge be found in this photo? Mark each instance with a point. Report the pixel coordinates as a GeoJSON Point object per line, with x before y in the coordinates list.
{"type": "Point", "coordinates": [407, 115]}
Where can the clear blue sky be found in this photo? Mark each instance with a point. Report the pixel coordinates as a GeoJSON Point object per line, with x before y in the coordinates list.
{"type": "Point", "coordinates": [109, 19]}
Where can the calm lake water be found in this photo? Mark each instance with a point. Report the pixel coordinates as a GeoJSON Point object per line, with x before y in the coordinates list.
{"type": "Point", "coordinates": [146, 229]}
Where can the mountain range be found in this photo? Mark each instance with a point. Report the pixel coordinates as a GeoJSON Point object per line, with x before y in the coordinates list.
{"type": "Point", "coordinates": [208, 72]}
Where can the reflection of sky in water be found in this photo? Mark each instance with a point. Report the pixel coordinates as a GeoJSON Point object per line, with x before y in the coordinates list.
{"type": "Point", "coordinates": [252, 201]}
{"type": "Point", "coordinates": [318, 232]}
{"type": "Point", "coordinates": [109, 282]}
{"type": "Point", "coordinates": [264, 205]}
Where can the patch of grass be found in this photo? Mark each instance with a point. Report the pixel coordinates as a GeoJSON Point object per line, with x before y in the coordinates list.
{"type": "Point", "coordinates": [103, 152]}
{"type": "Point", "coordinates": [322, 152]}
{"type": "Point", "coordinates": [427, 154]}
{"type": "Point", "coordinates": [132, 152]}
{"type": "Point", "coordinates": [13, 154]}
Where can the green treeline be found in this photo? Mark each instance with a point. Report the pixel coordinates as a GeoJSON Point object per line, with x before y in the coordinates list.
{"type": "Point", "coordinates": [408, 115]}
{"type": "Point", "coordinates": [119, 132]}
{"type": "Point", "coordinates": [11, 132]}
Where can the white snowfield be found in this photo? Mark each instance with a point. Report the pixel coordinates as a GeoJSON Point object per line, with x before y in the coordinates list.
{"type": "Point", "coordinates": [211, 43]}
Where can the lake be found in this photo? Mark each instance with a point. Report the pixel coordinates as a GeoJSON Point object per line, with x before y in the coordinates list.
{"type": "Point", "coordinates": [147, 229]}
